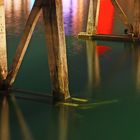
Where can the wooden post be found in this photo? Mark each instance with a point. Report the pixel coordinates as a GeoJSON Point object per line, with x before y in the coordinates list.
{"type": "Point", "coordinates": [122, 15]}
{"type": "Point", "coordinates": [21, 50]}
{"type": "Point", "coordinates": [136, 20]}
{"type": "Point", "coordinates": [3, 50]}
{"type": "Point", "coordinates": [93, 15]}
{"type": "Point", "coordinates": [54, 27]}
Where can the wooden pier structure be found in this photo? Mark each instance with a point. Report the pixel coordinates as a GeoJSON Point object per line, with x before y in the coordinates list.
{"type": "Point", "coordinates": [55, 41]}
{"type": "Point", "coordinates": [132, 29]}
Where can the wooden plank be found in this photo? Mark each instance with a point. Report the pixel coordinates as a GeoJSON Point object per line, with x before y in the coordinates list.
{"type": "Point", "coordinates": [93, 15]}
{"type": "Point", "coordinates": [55, 37]}
{"type": "Point", "coordinates": [22, 47]}
{"type": "Point", "coordinates": [122, 15]}
{"type": "Point", "coordinates": [3, 50]}
{"type": "Point", "coordinates": [108, 37]}
{"type": "Point", "coordinates": [136, 19]}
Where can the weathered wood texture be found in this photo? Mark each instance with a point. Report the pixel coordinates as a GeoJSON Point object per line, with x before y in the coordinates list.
{"type": "Point", "coordinates": [110, 37]}
{"type": "Point", "coordinates": [136, 19]}
{"type": "Point", "coordinates": [54, 27]}
{"type": "Point", "coordinates": [93, 15]}
{"type": "Point", "coordinates": [21, 49]}
{"type": "Point", "coordinates": [3, 50]}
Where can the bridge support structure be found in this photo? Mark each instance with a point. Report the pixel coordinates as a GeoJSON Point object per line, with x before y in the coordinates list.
{"type": "Point", "coordinates": [55, 39]}
{"type": "Point", "coordinates": [133, 29]}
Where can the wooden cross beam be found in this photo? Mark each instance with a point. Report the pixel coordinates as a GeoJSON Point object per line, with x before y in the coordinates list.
{"type": "Point", "coordinates": [55, 38]}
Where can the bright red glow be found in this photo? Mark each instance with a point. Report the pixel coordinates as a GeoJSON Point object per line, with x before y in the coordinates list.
{"type": "Point", "coordinates": [102, 49]}
{"type": "Point", "coordinates": [105, 22]}
{"type": "Point", "coordinates": [106, 14]}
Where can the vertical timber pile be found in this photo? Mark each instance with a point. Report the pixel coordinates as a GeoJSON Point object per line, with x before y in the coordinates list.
{"type": "Point", "coordinates": [136, 20]}
{"type": "Point", "coordinates": [3, 51]}
{"type": "Point", "coordinates": [55, 37]}
{"type": "Point", "coordinates": [93, 15]}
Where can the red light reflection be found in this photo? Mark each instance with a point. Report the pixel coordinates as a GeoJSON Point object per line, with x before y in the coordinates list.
{"type": "Point", "coordinates": [105, 22]}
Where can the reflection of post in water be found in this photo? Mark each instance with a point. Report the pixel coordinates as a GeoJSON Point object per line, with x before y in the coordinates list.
{"type": "Point", "coordinates": [63, 122]}
{"type": "Point", "coordinates": [23, 125]}
{"type": "Point", "coordinates": [137, 66]}
{"type": "Point", "coordinates": [4, 128]}
{"type": "Point", "coordinates": [93, 64]}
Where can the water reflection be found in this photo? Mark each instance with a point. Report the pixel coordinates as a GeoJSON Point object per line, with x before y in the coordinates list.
{"type": "Point", "coordinates": [136, 55]}
{"type": "Point", "coordinates": [4, 128]}
{"type": "Point", "coordinates": [17, 11]}
{"type": "Point", "coordinates": [26, 134]}
{"type": "Point", "coordinates": [93, 64]}
{"type": "Point", "coordinates": [74, 13]}
{"type": "Point", "coordinates": [63, 123]}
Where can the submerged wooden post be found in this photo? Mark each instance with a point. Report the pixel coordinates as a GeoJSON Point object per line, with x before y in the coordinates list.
{"type": "Point", "coordinates": [3, 50]}
{"type": "Point", "coordinates": [136, 20]}
{"type": "Point", "coordinates": [55, 37]}
{"type": "Point", "coordinates": [93, 15]}
{"type": "Point", "coordinates": [21, 50]}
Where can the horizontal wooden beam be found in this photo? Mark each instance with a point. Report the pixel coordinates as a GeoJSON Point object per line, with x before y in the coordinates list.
{"type": "Point", "coordinates": [108, 37]}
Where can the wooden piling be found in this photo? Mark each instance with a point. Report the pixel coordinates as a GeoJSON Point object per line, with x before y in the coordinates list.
{"type": "Point", "coordinates": [3, 50]}
{"type": "Point", "coordinates": [93, 15]}
{"type": "Point", "coordinates": [22, 47]}
{"type": "Point", "coordinates": [55, 38]}
{"type": "Point", "coordinates": [136, 19]}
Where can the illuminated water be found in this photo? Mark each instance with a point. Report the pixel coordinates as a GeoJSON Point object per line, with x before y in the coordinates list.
{"type": "Point", "coordinates": [105, 73]}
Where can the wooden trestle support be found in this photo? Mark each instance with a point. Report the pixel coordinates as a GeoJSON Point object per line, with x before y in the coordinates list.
{"type": "Point", "coordinates": [55, 38]}
{"type": "Point", "coordinates": [93, 15]}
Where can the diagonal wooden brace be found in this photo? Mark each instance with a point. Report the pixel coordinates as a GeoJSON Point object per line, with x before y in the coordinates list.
{"type": "Point", "coordinates": [23, 45]}
{"type": "Point", "coordinates": [122, 15]}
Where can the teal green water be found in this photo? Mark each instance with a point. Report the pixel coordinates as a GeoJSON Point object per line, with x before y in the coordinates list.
{"type": "Point", "coordinates": [107, 74]}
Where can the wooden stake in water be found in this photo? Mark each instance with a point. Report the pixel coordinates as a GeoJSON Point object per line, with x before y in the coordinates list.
{"type": "Point", "coordinates": [93, 15]}
{"type": "Point", "coordinates": [55, 37]}
{"type": "Point", "coordinates": [3, 50]}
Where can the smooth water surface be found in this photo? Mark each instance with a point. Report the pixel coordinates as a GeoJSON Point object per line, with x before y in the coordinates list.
{"type": "Point", "coordinates": [107, 74]}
